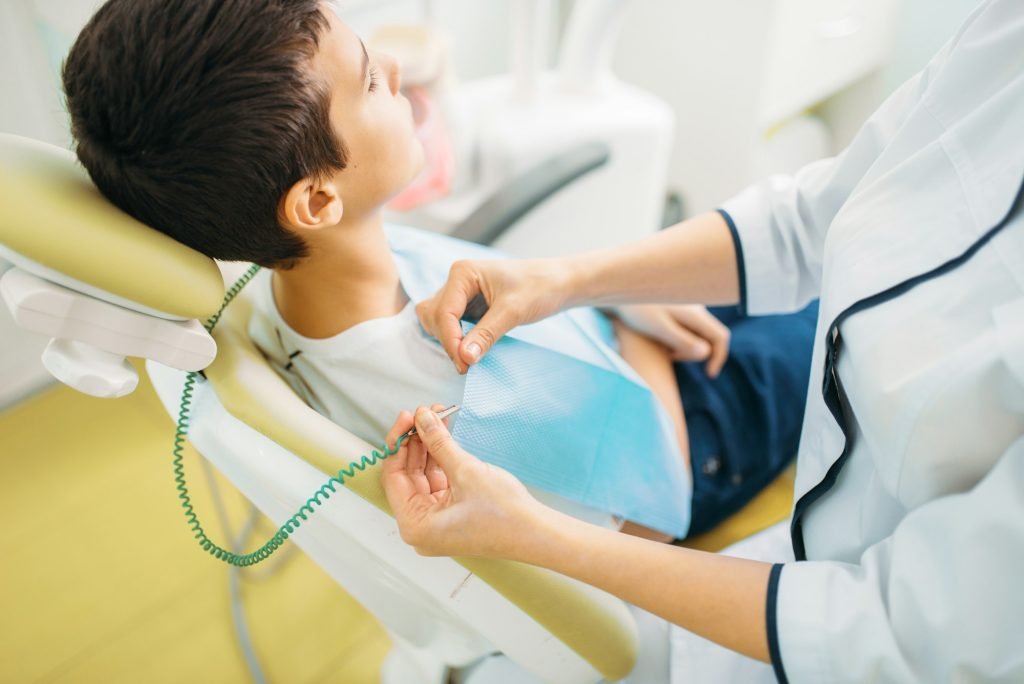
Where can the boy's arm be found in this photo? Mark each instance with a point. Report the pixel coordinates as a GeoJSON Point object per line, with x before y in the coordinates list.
{"type": "Point", "coordinates": [653, 363]}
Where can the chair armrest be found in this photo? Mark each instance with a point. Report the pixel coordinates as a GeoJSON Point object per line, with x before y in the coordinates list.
{"type": "Point", "coordinates": [92, 337]}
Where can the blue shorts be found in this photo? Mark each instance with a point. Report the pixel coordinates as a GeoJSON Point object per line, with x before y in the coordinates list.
{"type": "Point", "coordinates": [744, 426]}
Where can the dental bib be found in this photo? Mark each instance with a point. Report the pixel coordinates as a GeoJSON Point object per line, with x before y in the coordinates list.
{"type": "Point", "coordinates": [555, 405]}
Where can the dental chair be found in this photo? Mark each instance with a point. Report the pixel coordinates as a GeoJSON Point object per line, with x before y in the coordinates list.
{"type": "Point", "coordinates": [106, 287]}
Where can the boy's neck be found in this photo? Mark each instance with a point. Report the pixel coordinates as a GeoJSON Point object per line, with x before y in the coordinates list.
{"type": "Point", "coordinates": [348, 277]}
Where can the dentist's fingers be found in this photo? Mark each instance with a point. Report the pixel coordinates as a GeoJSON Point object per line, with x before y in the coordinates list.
{"type": "Point", "coordinates": [425, 313]}
{"type": "Point", "coordinates": [438, 441]}
{"type": "Point", "coordinates": [398, 487]}
{"type": "Point", "coordinates": [435, 473]}
{"type": "Point", "coordinates": [482, 510]}
{"type": "Point", "coordinates": [402, 424]}
{"type": "Point", "coordinates": [441, 317]}
{"type": "Point", "coordinates": [411, 472]}
{"type": "Point", "coordinates": [498, 320]}
{"type": "Point", "coordinates": [436, 477]}
{"type": "Point", "coordinates": [416, 464]}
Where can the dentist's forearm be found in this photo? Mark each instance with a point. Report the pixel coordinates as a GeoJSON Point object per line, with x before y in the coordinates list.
{"type": "Point", "coordinates": [718, 597]}
{"type": "Point", "coordinates": [692, 262]}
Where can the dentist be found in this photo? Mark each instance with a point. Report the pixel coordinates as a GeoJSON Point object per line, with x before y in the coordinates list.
{"type": "Point", "coordinates": [908, 524]}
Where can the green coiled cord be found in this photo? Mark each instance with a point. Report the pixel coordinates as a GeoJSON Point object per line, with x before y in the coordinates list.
{"type": "Point", "coordinates": [294, 522]}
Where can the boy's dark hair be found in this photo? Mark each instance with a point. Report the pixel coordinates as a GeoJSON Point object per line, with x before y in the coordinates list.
{"type": "Point", "coordinates": [196, 116]}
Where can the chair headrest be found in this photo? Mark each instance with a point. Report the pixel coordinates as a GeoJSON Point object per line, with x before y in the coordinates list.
{"type": "Point", "coordinates": [52, 214]}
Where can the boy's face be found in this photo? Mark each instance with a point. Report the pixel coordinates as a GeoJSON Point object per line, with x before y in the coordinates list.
{"type": "Point", "coordinates": [371, 117]}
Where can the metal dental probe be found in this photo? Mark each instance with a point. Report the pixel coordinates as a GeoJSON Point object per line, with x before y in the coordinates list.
{"type": "Point", "coordinates": [441, 415]}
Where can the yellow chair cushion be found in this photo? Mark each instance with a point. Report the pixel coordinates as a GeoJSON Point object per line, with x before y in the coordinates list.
{"type": "Point", "coordinates": [52, 213]}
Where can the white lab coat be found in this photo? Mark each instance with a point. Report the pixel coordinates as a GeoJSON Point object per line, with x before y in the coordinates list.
{"type": "Point", "coordinates": [912, 521]}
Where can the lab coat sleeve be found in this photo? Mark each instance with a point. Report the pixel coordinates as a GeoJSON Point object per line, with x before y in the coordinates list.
{"type": "Point", "coordinates": [940, 600]}
{"type": "Point", "coordinates": [779, 224]}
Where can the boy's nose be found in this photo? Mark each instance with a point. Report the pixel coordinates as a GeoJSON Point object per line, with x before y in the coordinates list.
{"type": "Point", "coordinates": [394, 73]}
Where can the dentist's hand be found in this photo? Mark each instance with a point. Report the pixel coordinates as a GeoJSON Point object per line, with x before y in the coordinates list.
{"type": "Point", "coordinates": [515, 291]}
{"type": "Point", "coordinates": [449, 503]}
{"type": "Point", "coordinates": [689, 331]}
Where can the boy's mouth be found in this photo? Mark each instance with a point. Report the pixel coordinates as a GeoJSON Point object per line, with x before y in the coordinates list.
{"type": "Point", "coordinates": [417, 111]}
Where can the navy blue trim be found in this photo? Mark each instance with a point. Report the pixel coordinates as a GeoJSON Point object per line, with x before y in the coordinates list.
{"type": "Point", "coordinates": [832, 389]}
{"type": "Point", "coordinates": [741, 268]}
{"type": "Point", "coordinates": [772, 623]}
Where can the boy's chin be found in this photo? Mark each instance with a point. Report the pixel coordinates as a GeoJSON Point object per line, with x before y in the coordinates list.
{"type": "Point", "coordinates": [419, 158]}
{"type": "Point", "coordinates": [417, 166]}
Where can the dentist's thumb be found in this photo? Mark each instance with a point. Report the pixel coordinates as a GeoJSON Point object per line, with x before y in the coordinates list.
{"type": "Point", "coordinates": [491, 328]}
{"type": "Point", "coordinates": [440, 443]}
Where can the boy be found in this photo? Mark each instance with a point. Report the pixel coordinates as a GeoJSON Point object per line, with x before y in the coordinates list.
{"type": "Point", "coordinates": [263, 130]}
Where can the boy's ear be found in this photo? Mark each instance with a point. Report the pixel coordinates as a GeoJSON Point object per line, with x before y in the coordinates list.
{"type": "Point", "coordinates": [310, 205]}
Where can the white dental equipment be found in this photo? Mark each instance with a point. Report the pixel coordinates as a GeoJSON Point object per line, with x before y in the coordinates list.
{"type": "Point", "coordinates": [611, 139]}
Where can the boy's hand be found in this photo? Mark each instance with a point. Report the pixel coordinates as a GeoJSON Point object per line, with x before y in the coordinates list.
{"type": "Point", "coordinates": [689, 331]}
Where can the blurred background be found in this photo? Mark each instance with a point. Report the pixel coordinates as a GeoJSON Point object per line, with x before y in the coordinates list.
{"type": "Point", "coordinates": [690, 102]}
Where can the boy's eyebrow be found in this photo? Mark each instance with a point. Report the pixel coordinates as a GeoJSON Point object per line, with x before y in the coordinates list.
{"type": "Point", "coordinates": [366, 60]}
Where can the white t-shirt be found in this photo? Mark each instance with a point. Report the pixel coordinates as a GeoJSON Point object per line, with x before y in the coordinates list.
{"type": "Point", "coordinates": [363, 377]}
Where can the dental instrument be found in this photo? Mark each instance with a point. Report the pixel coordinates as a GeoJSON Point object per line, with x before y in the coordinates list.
{"type": "Point", "coordinates": [441, 415]}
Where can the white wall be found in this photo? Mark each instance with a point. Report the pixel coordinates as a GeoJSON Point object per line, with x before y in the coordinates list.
{"type": "Point", "coordinates": [922, 28]}
{"type": "Point", "coordinates": [701, 58]}
{"type": "Point", "coordinates": [480, 28]}
{"type": "Point", "coordinates": [706, 59]}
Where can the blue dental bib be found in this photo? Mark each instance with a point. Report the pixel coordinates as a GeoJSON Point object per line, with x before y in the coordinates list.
{"type": "Point", "coordinates": [555, 405]}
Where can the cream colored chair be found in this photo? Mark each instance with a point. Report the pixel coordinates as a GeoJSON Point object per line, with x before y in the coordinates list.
{"type": "Point", "coordinates": [105, 286]}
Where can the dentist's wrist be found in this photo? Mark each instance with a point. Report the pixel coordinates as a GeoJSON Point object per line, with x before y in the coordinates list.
{"type": "Point", "coordinates": [577, 282]}
{"type": "Point", "coordinates": [545, 536]}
